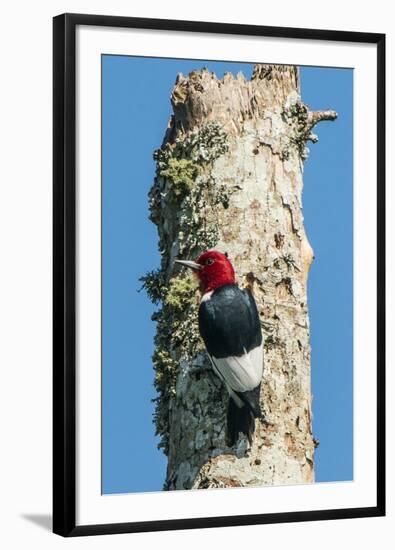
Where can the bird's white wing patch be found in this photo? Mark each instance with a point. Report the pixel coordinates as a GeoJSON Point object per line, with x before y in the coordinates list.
{"type": "Point", "coordinates": [236, 399]}
{"type": "Point", "coordinates": [242, 373]}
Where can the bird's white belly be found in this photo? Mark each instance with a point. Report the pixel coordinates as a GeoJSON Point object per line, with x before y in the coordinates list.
{"type": "Point", "coordinates": [206, 297]}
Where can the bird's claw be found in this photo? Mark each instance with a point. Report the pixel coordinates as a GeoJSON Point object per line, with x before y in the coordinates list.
{"type": "Point", "coordinates": [199, 369]}
{"type": "Point", "coordinates": [263, 419]}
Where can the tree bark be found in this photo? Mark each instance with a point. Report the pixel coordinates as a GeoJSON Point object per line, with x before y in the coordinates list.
{"type": "Point", "coordinates": [229, 176]}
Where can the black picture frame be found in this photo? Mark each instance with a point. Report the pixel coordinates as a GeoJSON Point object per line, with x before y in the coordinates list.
{"type": "Point", "coordinates": [64, 273]}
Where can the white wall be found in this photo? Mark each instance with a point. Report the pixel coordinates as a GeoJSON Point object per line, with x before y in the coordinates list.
{"type": "Point", "coordinates": [25, 272]}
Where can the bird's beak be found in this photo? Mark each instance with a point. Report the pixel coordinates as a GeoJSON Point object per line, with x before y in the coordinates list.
{"type": "Point", "coordinates": [188, 263]}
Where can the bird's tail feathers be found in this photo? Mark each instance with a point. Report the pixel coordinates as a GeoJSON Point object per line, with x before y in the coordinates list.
{"type": "Point", "coordinates": [252, 400]}
{"type": "Point", "coordinates": [239, 420]}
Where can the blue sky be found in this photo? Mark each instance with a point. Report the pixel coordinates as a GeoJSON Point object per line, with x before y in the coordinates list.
{"type": "Point", "coordinates": [135, 112]}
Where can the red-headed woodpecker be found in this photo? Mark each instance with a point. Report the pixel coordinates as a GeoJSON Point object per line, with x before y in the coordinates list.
{"type": "Point", "coordinates": [230, 327]}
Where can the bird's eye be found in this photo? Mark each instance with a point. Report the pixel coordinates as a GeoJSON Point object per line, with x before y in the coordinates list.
{"type": "Point", "coordinates": [209, 261]}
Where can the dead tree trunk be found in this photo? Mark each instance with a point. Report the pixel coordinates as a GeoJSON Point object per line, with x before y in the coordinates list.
{"type": "Point", "coordinates": [229, 176]}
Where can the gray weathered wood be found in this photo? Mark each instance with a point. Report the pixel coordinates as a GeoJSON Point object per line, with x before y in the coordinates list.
{"type": "Point", "coordinates": [230, 177]}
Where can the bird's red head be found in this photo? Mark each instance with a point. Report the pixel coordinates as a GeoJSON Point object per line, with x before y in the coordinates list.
{"type": "Point", "coordinates": [213, 270]}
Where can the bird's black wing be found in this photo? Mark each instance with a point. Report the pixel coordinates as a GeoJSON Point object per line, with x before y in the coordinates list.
{"type": "Point", "coordinates": [229, 322]}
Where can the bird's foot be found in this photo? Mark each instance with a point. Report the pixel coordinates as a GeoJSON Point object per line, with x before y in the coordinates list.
{"type": "Point", "coordinates": [263, 418]}
{"type": "Point", "coordinates": [199, 369]}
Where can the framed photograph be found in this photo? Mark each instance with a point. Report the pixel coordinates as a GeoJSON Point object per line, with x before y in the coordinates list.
{"type": "Point", "coordinates": [219, 276]}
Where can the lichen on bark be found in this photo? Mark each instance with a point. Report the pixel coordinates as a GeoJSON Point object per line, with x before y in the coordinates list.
{"type": "Point", "coordinates": [183, 203]}
{"type": "Point", "coordinates": [229, 175]}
